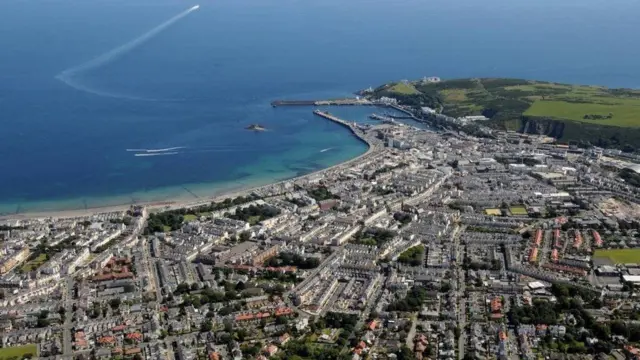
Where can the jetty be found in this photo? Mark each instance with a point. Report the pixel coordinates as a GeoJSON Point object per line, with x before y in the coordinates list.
{"type": "Point", "coordinates": [335, 102]}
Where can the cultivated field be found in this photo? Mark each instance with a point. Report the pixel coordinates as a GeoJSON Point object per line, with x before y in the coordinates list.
{"type": "Point", "coordinates": [619, 256]}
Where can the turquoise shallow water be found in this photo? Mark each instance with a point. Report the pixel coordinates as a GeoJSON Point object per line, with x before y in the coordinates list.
{"type": "Point", "coordinates": [197, 83]}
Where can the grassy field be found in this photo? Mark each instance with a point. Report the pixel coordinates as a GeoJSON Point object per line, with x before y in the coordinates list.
{"type": "Point", "coordinates": [626, 112]}
{"type": "Point", "coordinates": [457, 95]}
{"type": "Point", "coordinates": [35, 263]}
{"type": "Point", "coordinates": [495, 212]}
{"type": "Point", "coordinates": [619, 256]}
{"type": "Point", "coordinates": [518, 210]}
{"type": "Point", "coordinates": [18, 351]}
{"type": "Point", "coordinates": [190, 217]}
{"type": "Point", "coordinates": [402, 88]}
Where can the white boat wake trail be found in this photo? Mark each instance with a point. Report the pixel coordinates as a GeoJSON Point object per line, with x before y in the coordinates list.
{"type": "Point", "coordinates": [67, 76]}
{"type": "Point", "coordinates": [156, 150]}
{"type": "Point", "coordinates": [157, 154]}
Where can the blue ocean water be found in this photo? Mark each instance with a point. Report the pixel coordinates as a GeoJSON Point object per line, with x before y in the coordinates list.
{"type": "Point", "coordinates": [199, 82]}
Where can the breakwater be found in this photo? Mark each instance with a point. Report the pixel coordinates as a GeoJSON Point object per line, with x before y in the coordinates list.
{"type": "Point", "coordinates": [351, 127]}
{"type": "Point", "coordinates": [335, 102]}
{"type": "Point", "coordinates": [358, 132]}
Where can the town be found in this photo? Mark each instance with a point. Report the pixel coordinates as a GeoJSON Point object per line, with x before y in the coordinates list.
{"type": "Point", "coordinates": [432, 245]}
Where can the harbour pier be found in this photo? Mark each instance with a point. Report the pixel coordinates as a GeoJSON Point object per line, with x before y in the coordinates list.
{"type": "Point", "coordinates": [335, 102]}
{"type": "Point", "coordinates": [357, 131]}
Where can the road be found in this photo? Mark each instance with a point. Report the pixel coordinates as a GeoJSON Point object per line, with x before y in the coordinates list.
{"type": "Point", "coordinates": [67, 301]}
{"type": "Point", "coordinates": [460, 289]}
{"type": "Point", "coordinates": [412, 332]}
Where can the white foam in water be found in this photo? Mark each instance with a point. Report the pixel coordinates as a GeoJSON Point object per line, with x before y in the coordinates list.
{"type": "Point", "coordinates": [66, 76]}
{"type": "Point", "coordinates": [163, 150]}
{"type": "Point", "coordinates": [157, 154]}
{"type": "Point", "coordinates": [156, 150]}
{"type": "Point", "coordinates": [327, 149]}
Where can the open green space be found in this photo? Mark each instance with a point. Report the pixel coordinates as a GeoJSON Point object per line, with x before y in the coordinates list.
{"type": "Point", "coordinates": [402, 88]}
{"type": "Point", "coordinates": [591, 115]}
{"type": "Point", "coordinates": [625, 113]}
{"type": "Point", "coordinates": [35, 263]}
{"type": "Point", "coordinates": [18, 352]}
{"type": "Point", "coordinates": [518, 210]}
{"type": "Point", "coordinates": [619, 256]}
{"type": "Point", "coordinates": [190, 217]}
{"type": "Point", "coordinates": [412, 256]}
{"type": "Point", "coordinates": [494, 212]}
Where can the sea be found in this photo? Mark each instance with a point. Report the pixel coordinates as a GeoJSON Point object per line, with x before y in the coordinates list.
{"type": "Point", "coordinates": [110, 102]}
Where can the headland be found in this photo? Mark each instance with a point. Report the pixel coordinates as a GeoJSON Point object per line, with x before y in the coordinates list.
{"type": "Point", "coordinates": [580, 114]}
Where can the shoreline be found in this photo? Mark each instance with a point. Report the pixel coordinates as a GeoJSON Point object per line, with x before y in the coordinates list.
{"type": "Point", "coordinates": [177, 202]}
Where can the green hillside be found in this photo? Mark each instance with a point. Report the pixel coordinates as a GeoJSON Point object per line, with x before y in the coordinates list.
{"type": "Point", "coordinates": [588, 114]}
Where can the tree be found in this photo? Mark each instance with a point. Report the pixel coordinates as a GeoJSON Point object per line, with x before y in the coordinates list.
{"type": "Point", "coordinates": [42, 323]}
{"type": "Point", "coordinates": [405, 354]}
{"type": "Point", "coordinates": [194, 287]}
{"type": "Point", "coordinates": [230, 295]}
{"type": "Point", "coordinates": [206, 325]}
{"type": "Point", "coordinates": [245, 236]}
{"type": "Point", "coordinates": [560, 290]}
{"type": "Point", "coordinates": [228, 326]}
{"type": "Point", "coordinates": [225, 311]}
{"type": "Point", "coordinates": [114, 303]}
{"type": "Point", "coordinates": [601, 331]}
{"type": "Point", "coordinates": [618, 327]}
{"type": "Point", "coordinates": [182, 288]}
